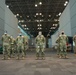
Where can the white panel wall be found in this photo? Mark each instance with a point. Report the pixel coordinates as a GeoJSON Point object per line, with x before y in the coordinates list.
{"type": "Point", "coordinates": [65, 23]}
{"type": "Point", "coordinates": [73, 15]}
{"type": "Point", "coordinates": [11, 23]}
{"type": "Point", "coordinates": [2, 17]}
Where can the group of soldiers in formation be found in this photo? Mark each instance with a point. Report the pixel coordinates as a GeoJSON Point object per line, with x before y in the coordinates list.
{"type": "Point", "coordinates": [19, 46]}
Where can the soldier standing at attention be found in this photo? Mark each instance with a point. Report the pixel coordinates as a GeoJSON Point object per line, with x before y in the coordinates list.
{"type": "Point", "coordinates": [40, 45]}
{"type": "Point", "coordinates": [6, 39]}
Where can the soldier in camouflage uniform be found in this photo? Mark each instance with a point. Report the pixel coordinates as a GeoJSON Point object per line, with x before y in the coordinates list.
{"type": "Point", "coordinates": [63, 39]}
{"type": "Point", "coordinates": [25, 44]}
{"type": "Point", "coordinates": [12, 46]}
{"type": "Point", "coordinates": [74, 39]}
{"type": "Point", "coordinates": [40, 45]}
{"type": "Point", "coordinates": [20, 46]}
{"type": "Point", "coordinates": [6, 40]}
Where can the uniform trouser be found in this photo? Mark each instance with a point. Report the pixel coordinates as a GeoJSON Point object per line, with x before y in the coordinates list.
{"type": "Point", "coordinates": [12, 49]}
{"type": "Point", "coordinates": [63, 49]}
{"type": "Point", "coordinates": [20, 50]}
{"type": "Point", "coordinates": [6, 51]}
{"type": "Point", "coordinates": [58, 49]}
{"type": "Point", "coordinates": [40, 50]}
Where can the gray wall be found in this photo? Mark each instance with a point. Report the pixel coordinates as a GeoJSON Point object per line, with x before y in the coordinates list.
{"type": "Point", "coordinates": [11, 23]}
{"type": "Point", "coordinates": [73, 16]}
{"type": "Point", "coordinates": [2, 17]}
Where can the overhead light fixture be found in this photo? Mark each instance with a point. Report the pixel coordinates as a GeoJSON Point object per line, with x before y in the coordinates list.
{"type": "Point", "coordinates": [27, 16]}
{"type": "Point", "coordinates": [59, 13]}
{"type": "Point", "coordinates": [55, 20]}
{"type": "Point", "coordinates": [22, 21]}
{"type": "Point", "coordinates": [17, 14]}
{"type": "Point", "coordinates": [37, 20]}
{"type": "Point", "coordinates": [25, 25]}
{"type": "Point", "coordinates": [36, 5]}
{"type": "Point", "coordinates": [40, 3]}
{"type": "Point", "coordinates": [35, 16]}
{"type": "Point", "coordinates": [40, 25]}
{"type": "Point", "coordinates": [19, 21]}
{"type": "Point", "coordinates": [7, 6]}
{"type": "Point", "coordinates": [66, 2]}
{"type": "Point", "coordinates": [36, 13]}
{"type": "Point", "coordinates": [40, 28]}
{"type": "Point", "coordinates": [49, 15]}
{"type": "Point", "coordinates": [27, 28]}
{"type": "Point", "coordinates": [20, 16]}
{"type": "Point", "coordinates": [40, 14]}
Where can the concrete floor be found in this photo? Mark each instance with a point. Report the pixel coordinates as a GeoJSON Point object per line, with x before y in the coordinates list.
{"type": "Point", "coordinates": [50, 66]}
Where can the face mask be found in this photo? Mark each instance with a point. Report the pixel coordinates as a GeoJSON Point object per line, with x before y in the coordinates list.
{"type": "Point", "coordinates": [62, 33]}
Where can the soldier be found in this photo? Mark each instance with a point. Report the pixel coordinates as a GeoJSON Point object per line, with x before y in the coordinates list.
{"type": "Point", "coordinates": [12, 46]}
{"type": "Point", "coordinates": [6, 40]}
{"type": "Point", "coordinates": [40, 45]}
{"type": "Point", "coordinates": [74, 39]}
{"type": "Point", "coordinates": [63, 39]}
{"type": "Point", "coordinates": [20, 46]}
{"type": "Point", "coordinates": [25, 44]}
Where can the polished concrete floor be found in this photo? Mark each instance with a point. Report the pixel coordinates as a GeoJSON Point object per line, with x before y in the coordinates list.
{"type": "Point", "coordinates": [52, 65]}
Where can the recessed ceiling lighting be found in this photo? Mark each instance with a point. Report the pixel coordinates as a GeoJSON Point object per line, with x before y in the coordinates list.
{"type": "Point", "coordinates": [40, 25]}
{"type": "Point", "coordinates": [7, 6]}
{"type": "Point", "coordinates": [17, 14]}
{"type": "Point", "coordinates": [27, 16]}
{"type": "Point", "coordinates": [35, 5]}
{"type": "Point", "coordinates": [40, 3]}
{"type": "Point", "coordinates": [36, 13]}
{"type": "Point", "coordinates": [49, 15]}
{"type": "Point", "coordinates": [19, 21]}
{"type": "Point", "coordinates": [20, 16]}
{"type": "Point", "coordinates": [55, 19]}
{"type": "Point", "coordinates": [40, 13]}
{"type": "Point", "coordinates": [35, 16]}
{"type": "Point", "coordinates": [66, 2]}
{"type": "Point", "coordinates": [25, 25]}
{"type": "Point", "coordinates": [22, 21]}
{"type": "Point", "coordinates": [59, 13]}
{"type": "Point", "coordinates": [27, 28]}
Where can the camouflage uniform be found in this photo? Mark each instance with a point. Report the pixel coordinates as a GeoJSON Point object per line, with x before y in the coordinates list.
{"type": "Point", "coordinates": [74, 39]}
{"type": "Point", "coordinates": [12, 46]}
{"type": "Point", "coordinates": [40, 45]}
{"type": "Point", "coordinates": [5, 40]}
{"type": "Point", "coordinates": [63, 39]}
{"type": "Point", "coordinates": [25, 44]}
{"type": "Point", "coordinates": [20, 46]}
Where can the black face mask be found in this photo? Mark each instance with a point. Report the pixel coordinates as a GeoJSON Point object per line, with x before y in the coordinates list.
{"type": "Point", "coordinates": [62, 33]}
